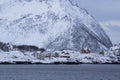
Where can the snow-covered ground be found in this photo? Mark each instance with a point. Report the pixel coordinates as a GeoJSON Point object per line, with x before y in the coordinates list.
{"type": "Point", "coordinates": [16, 56]}
{"type": "Point", "coordinates": [110, 56]}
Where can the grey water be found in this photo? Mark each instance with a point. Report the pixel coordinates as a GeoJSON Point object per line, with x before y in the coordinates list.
{"type": "Point", "coordinates": [60, 72]}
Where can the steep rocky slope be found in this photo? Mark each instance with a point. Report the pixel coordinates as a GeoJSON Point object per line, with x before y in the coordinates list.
{"type": "Point", "coordinates": [50, 24]}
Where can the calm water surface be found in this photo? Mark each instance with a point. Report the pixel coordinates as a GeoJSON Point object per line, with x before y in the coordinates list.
{"type": "Point", "coordinates": [60, 72]}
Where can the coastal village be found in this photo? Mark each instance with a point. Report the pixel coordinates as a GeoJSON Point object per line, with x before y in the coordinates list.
{"type": "Point", "coordinates": [32, 54]}
{"type": "Point", "coordinates": [57, 54]}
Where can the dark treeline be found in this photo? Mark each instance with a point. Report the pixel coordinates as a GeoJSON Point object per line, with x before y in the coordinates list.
{"type": "Point", "coordinates": [10, 47]}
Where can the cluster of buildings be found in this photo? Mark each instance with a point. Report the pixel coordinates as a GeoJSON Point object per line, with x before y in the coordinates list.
{"type": "Point", "coordinates": [47, 54]}
{"type": "Point", "coordinates": [57, 54]}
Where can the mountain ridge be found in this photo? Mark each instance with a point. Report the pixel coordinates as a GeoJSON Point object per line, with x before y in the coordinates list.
{"type": "Point", "coordinates": [59, 23]}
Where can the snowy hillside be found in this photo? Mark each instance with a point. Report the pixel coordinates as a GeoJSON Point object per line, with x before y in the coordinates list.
{"type": "Point", "coordinates": [50, 24]}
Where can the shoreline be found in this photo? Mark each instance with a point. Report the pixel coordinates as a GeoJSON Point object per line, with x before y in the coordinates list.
{"type": "Point", "coordinates": [54, 63]}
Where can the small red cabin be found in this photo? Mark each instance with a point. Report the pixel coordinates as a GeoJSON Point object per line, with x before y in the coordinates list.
{"type": "Point", "coordinates": [65, 56]}
{"type": "Point", "coordinates": [85, 50]}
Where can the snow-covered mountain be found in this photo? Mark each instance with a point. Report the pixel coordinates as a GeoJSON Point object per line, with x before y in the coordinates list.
{"type": "Point", "coordinates": [50, 24]}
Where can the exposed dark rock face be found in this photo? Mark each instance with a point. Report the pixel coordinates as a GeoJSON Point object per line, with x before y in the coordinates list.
{"type": "Point", "coordinates": [5, 46]}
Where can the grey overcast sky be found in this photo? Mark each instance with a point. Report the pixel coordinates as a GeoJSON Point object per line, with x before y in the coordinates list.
{"type": "Point", "coordinates": [106, 12]}
{"type": "Point", "coordinates": [102, 9]}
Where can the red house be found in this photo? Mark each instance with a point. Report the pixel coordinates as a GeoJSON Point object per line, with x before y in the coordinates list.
{"type": "Point", "coordinates": [85, 50]}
